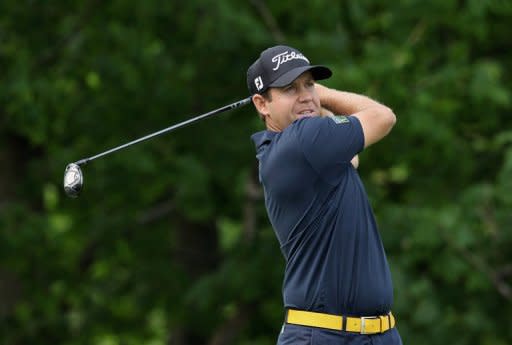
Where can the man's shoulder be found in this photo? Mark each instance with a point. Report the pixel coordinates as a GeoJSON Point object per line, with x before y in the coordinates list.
{"type": "Point", "coordinates": [328, 120]}
{"type": "Point", "coordinates": [315, 125]}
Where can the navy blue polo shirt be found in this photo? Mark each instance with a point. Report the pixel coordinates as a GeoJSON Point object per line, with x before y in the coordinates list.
{"type": "Point", "coordinates": [318, 207]}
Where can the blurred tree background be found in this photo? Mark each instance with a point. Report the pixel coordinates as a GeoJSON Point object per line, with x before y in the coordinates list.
{"type": "Point", "coordinates": [169, 242]}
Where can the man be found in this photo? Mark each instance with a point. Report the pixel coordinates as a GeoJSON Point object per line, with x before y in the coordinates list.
{"type": "Point", "coordinates": [337, 285]}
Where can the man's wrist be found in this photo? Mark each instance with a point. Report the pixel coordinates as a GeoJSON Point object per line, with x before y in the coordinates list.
{"type": "Point", "coordinates": [325, 96]}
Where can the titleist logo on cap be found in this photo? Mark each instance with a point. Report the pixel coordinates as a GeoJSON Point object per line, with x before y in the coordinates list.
{"type": "Point", "coordinates": [280, 59]}
{"type": "Point", "coordinates": [279, 66]}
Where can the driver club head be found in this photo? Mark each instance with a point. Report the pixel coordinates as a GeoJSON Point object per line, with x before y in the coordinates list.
{"type": "Point", "coordinates": [73, 180]}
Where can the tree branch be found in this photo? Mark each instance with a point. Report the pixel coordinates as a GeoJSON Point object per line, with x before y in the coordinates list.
{"type": "Point", "coordinates": [50, 55]}
{"type": "Point", "coordinates": [269, 20]}
{"type": "Point", "coordinates": [496, 277]}
{"type": "Point", "coordinates": [155, 213]}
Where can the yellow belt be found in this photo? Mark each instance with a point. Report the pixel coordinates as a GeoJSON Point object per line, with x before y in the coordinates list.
{"type": "Point", "coordinates": [363, 325]}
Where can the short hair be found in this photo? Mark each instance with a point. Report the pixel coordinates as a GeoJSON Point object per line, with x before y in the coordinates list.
{"type": "Point", "coordinates": [268, 96]}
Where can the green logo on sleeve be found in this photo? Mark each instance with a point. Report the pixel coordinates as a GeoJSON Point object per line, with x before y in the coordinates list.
{"type": "Point", "coordinates": [339, 119]}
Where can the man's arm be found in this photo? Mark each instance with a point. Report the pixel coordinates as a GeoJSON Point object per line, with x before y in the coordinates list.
{"type": "Point", "coordinates": [376, 119]}
{"type": "Point", "coordinates": [326, 112]}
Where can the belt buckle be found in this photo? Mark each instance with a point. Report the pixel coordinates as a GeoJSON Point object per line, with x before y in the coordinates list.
{"type": "Point", "coordinates": [363, 323]}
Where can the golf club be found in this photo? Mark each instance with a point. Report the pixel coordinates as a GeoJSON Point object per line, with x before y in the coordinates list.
{"type": "Point", "coordinates": [73, 177]}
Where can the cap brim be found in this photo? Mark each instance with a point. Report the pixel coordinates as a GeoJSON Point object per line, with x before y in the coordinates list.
{"type": "Point", "coordinates": [318, 72]}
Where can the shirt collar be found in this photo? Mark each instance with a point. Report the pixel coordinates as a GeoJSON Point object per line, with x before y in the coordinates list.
{"type": "Point", "coordinates": [262, 138]}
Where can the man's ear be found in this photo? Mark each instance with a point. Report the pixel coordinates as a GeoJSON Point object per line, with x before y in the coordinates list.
{"type": "Point", "coordinates": [261, 104]}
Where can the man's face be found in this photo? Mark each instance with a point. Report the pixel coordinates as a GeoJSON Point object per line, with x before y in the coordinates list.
{"type": "Point", "coordinates": [289, 103]}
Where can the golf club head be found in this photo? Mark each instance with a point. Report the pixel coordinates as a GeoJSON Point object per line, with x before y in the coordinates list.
{"type": "Point", "coordinates": [73, 180]}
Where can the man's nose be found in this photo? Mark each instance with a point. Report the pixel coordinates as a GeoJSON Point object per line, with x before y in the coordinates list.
{"type": "Point", "coordinates": [305, 94]}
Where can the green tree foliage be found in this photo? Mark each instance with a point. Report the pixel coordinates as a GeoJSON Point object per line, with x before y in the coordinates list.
{"type": "Point", "coordinates": [169, 242]}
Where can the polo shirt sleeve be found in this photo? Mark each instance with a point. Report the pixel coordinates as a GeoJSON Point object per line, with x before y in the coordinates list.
{"type": "Point", "coordinates": [330, 143]}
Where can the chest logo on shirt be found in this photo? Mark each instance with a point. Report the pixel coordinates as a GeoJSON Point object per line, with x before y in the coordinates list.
{"type": "Point", "coordinates": [339, 119]}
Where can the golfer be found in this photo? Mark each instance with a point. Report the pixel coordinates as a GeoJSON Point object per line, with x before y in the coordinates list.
{"type": "Point", "coordinates": [337, 284]}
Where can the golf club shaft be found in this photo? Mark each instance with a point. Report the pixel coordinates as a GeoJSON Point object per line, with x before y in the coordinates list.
{"type": "Point", "coordinates": [168, 129]}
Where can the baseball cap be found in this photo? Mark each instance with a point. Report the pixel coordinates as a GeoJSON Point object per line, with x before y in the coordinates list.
{"type": "Point", "coordinates": [279, 66]}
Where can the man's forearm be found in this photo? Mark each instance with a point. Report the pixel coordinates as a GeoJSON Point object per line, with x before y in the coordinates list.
{"type": "Point", "coordinates": [342, 102]}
